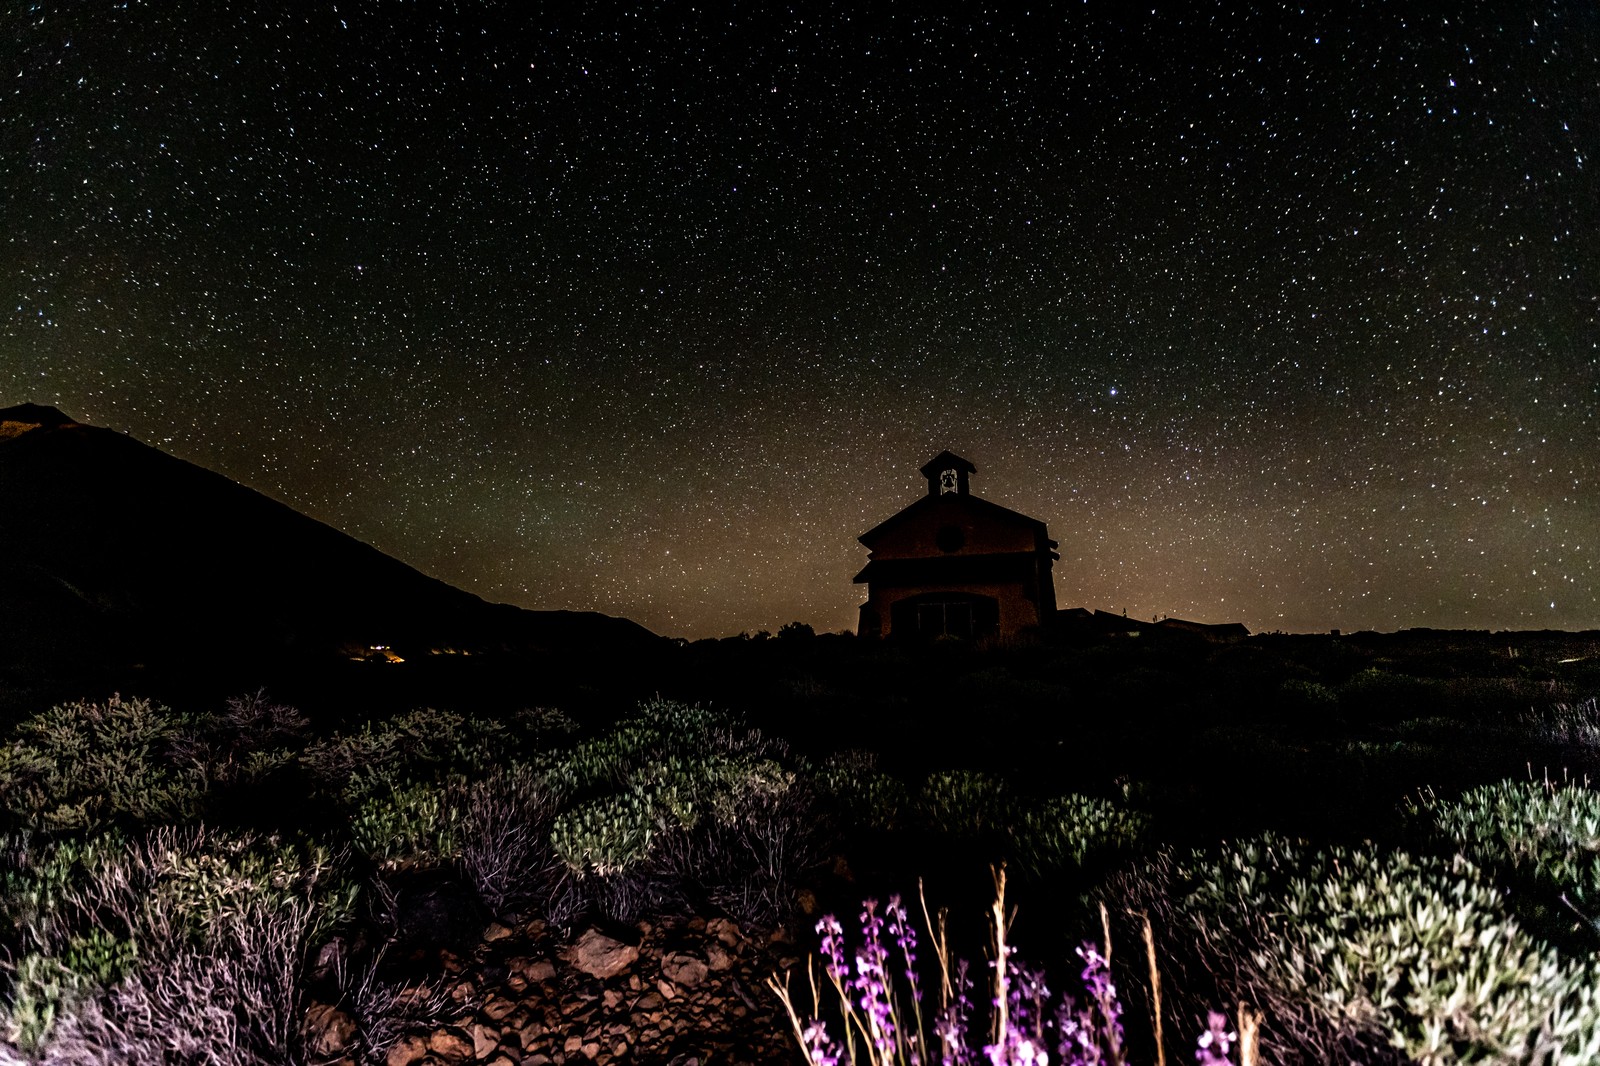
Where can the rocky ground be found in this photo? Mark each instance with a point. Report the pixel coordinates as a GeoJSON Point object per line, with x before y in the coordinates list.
{"type": "Point", "coordinates": [690, 992]}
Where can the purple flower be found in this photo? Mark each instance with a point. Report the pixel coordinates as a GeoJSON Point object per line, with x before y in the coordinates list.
{"type": "Point", "coordinates": [820, 1048]}
{"type": "Point", "coordinates": [832, 946]}
{"type": "Point", "coordinates": [872, 979]}
{"type": "Point", "coordinates": [905, 936]}
{"type": "Point", "coordinates": [1215, 1042]}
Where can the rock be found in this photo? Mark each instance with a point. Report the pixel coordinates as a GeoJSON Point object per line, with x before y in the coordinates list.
{"type": "Point", "coordinates": [600, 956]}
{"type": "Point", "coordinates": [451, 1045]}
{"type": "Point", "coordinates": [496, 931]}
{"type": "Point", "coordinates": [328, 1031]}
{"type": "Point", "coordinates": [719, 958]}
{"type": "Point", "coordinates": [542, 970]}
{"type": "Point", "coordinates": [485, 1039]}
{"type": "Point", "coordinates": [665, 987]}
{"type": "Point", "coordinates": [407, 1050]}
{"type": "Point", "coordinates": [686, 971]}
{"type": "Point", "coordinates": [497, 1008]}
{"type": "Point", "coordinates": [531, 1032]}
{"type": "Point", "coordinates": [724, 930]}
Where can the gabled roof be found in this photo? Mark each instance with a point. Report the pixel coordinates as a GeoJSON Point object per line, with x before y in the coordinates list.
{"type": "Point", "coordinates": [975, 504]}
{"type": "Point", "coordinates": [946, 461]}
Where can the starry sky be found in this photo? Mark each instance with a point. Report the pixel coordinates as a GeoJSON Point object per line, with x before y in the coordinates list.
{"type": "Point", "coordinates": [1275, 313]}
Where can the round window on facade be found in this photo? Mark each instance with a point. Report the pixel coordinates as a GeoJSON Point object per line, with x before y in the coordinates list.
{"type": "Point", "coordinates": [950, 538]}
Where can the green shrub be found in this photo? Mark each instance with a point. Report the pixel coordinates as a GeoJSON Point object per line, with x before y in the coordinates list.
{"type": "Point", "coordinates": [1360, 945]}
{"type": "Point", "coordinates": [391, 755]}
{"type": "Point", "coordinates": [964, 804]}
{"type": "Point", "coordinates": [1066, 832]}
{"type": "Point", "coordinates": [416, 824]}
{"type": "Point", "coordinates": [84, 765]}
{"type": "Point", "coordinates": [39, 877]}
{"type": "Point", "coordinates": [864, 795]}
{"type": "Point", "coordinates": [176, 933]}
{"type": "Point", "coordinates": [1541, 834]}
{"type": "Point", "coordinates": [606, 836]}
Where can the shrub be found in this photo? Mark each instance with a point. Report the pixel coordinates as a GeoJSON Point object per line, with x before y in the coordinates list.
{"type": "Point", "coordinates": [412, 825]}
{"type": "Point", "coordinates": [185, 945]}
{"type": "Point", "coordinates": [1068, 832]}
{"type": "Point", "coordinates": [1539, 834]}
{"type": "Point", "coordinates": [605, 836]}
{"type": "Point", "coordinates": [964, 805]}
{"type": "Point", "coordinates": [504, 838]}
{"type": "Point", "coordinates": [1567, 725]}
{"type": "Point", "coordinates": [863, 794]}
{"type": "Point", "coordinates": [85, 765]}
{"type": "Point", "coordinates": [762, 832]}
{"type": "Point", "coordinates": [1350, 949]}
{"type": "Point", "coordinates": [389, 756]}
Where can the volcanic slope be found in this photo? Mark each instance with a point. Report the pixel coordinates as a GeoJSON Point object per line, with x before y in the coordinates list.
{"type": "Point", "coordinates": [115, 554]}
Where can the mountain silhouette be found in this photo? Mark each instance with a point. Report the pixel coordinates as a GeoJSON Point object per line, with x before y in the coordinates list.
{"type": "Point", "coordinates": [114, 554]}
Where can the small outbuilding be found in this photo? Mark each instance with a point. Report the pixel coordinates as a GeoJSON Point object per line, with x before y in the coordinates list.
{"type": "Point", "coordinates": [955, 565]}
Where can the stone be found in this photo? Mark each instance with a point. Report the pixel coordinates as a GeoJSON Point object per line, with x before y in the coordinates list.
{"type": "Point", "coordinates": [683, 970]}
{"type": "Point", "coordinates": [719, 958]}
{"type": "Point", "coordinates": [485, 1039]}
{"type": "Point", "coordinates": [496, 931]}
{"type": "Point", "coordinates": [451, 1045]}
{"type": "Point", "coordinates": [600, 956]}
{"type": "Point", "coordinates": [407, 1050]}
{"type": "Point", "coordinates": [329, 1031]}
{"type": "Point", "coordinates": [666, 989]}
{"type": "Point", "coordinates": [498, 1007]}
{"type": "Point", "coordinates": [724, 930]}
{"type": "Point", "coordinates": [541, 970]}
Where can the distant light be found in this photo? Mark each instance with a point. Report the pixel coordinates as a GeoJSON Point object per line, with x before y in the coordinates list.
{"type": "Point", "coordinates": [1113, 390]}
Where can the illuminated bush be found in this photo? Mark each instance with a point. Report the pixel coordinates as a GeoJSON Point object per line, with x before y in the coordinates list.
{"type": "Point", "coordinates": [964, 804]}
{"type": "Point", "coordinates": [413, 825]}
{"type": "Point", "coordinates": [421, 745]}
{"type": "Point", "coordinates": [607, 836]}
{"type": "Point", "coordinates": [1067, 832]}
{"type": "Point", "coordinates": [864, 795]}
{"type": "Point", "coordinates": [1544, 835]}
{"type": "Point", "coordinates": [178, 945]}
{"type": "Point", "coordinates": [84, 765]}
{"type": "Point", "coordinates": [1350, 948]}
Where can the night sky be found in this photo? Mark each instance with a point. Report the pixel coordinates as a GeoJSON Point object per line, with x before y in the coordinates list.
{"type": "Point", "coordinates": [1273, 315]}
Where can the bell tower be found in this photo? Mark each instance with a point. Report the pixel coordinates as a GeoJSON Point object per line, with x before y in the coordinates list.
{"type": "Point", "coordinates": [947, 474]}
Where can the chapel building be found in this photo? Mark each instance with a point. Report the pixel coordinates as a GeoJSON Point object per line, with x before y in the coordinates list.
{"type": "Point", "coordinates": [955, 565]}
